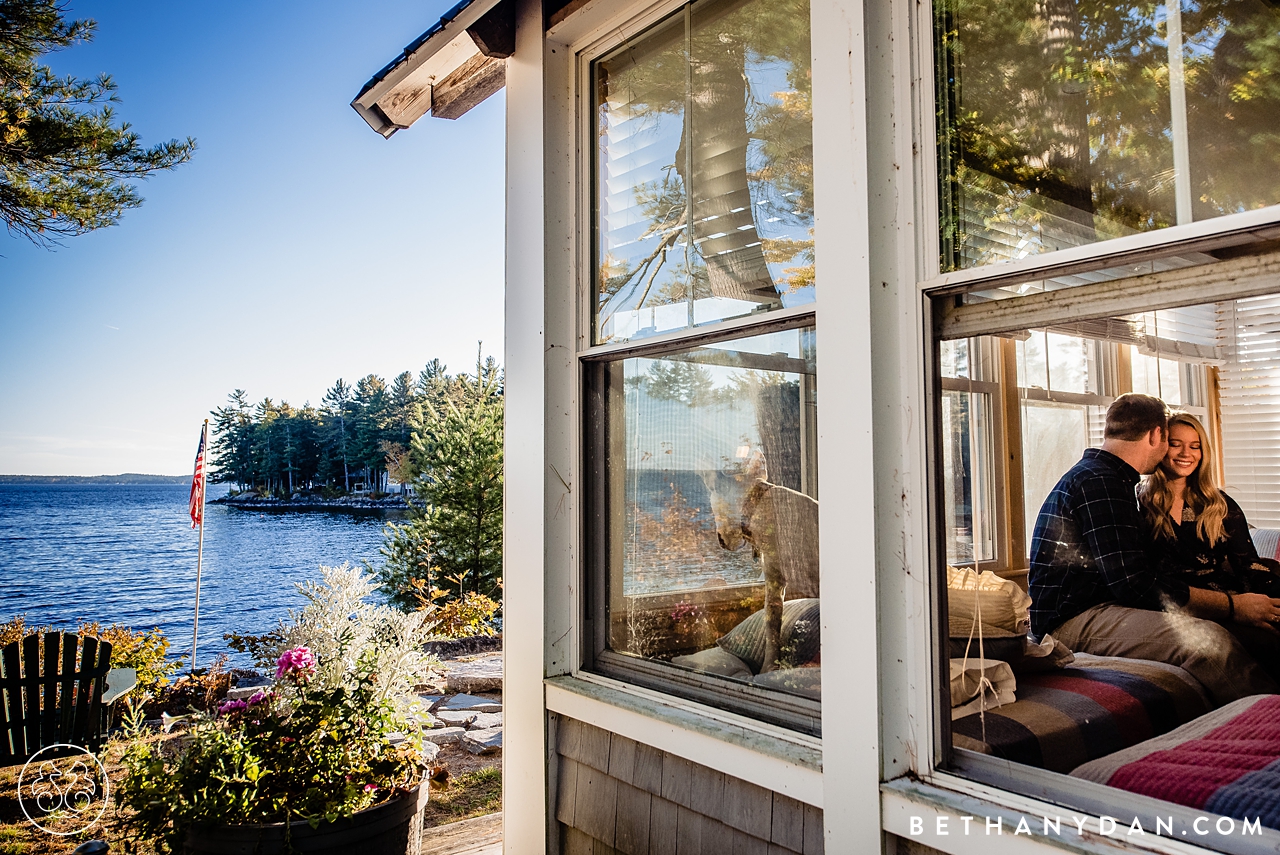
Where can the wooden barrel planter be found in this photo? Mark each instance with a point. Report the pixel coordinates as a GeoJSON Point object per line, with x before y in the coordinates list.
{"type": "Point", "coordinates": [391, 828]}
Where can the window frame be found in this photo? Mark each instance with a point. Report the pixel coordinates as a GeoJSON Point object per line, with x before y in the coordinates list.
{"type": "Point", "coordinates": [956, 766]}
{"type": "Point", "coordinates": [799, 715]}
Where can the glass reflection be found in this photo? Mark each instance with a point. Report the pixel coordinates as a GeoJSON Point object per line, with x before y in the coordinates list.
{"type": "Point", "coordinates": [704, 170]}
{"type": "Point", "coordinates": [1064, 122]}
{"type": "Point", "coordinates": [712, 497]}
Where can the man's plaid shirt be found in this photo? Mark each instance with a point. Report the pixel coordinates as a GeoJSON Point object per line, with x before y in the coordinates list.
{"type": "Point", "coordinates": [1089, 546]}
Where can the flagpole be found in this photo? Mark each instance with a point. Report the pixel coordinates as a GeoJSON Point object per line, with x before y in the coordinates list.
{"type": "Point", "coordinates": [195, 630]}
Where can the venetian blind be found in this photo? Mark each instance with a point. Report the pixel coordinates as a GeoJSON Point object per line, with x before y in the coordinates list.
{"type": "Point", "coordinates": [1250, 400]}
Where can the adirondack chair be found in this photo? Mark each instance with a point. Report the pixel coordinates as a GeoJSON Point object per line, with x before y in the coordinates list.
{"type": "Point", "coordinates": [56, 689]}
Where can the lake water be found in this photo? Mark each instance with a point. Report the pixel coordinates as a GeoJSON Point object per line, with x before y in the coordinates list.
{"type": "Point", "coordinates": [127, 554]}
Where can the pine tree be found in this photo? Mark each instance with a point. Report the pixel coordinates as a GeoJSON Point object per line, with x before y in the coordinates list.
{"type": "Point", "coordinates": [65, 163]}
{"type": "Point", "coordinates": [337, 403]}
{"type": "Point", "coordinates": [231, 454]}
{"type": "Point", "coordinates": [459, 453]}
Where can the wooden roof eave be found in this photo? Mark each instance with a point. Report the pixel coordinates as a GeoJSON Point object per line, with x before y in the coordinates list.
{"type": "Point", "coordinates": [456, 64]}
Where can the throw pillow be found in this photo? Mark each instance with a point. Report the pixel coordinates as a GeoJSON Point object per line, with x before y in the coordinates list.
{"type": "Point", "coordinates": [801, 635]}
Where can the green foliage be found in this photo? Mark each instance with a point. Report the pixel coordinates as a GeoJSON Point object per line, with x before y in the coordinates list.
{"type": "Point", "coordinates": [65, 162]}
{"type": "Point", "coordinates": [457, 451]}
{"type": "Point", "coordinates": [310, 749]}
{"type": "Point", "coordinates": [339, 623]}
{"type": "Point", "coordinates": [146, 651]}
{"type": "Point", "coordinates": [470, 615]}
{"type": "Point", "coordinates": [406, 574]}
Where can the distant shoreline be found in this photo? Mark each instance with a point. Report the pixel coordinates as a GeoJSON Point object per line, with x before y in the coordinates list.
{"type": "Point", "coordinates": [127, 478]}
{"type": "Point", "coordinates": [315, 503]}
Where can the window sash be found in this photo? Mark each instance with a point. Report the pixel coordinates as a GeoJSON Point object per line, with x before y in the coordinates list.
{"type": "Point", "coordinates": [1187, 287]}
{"type": "Point", "coordinates": [803, 715]}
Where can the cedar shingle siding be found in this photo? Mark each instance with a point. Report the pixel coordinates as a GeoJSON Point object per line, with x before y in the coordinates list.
{"type": "Point", "coordinates": [616, 795]}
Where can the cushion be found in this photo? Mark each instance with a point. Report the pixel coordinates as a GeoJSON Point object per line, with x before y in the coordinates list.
{"type": "Point", "coordinates": [983, 602]}
{"type": "Point", "coordinates": [806, 682]}
{"type": "Point", "coordinates": [1023, 654]}
{"type": "Point", "coordinates": [1267, 542]}
{"type": "Point", "coordinates": [1225, 762]}
{"type": "Point", "coordinates": [716, 661]}
{"type": "Point", "coordinates": [801, 635]}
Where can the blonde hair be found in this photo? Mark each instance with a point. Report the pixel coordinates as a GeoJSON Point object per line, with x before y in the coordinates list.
{"type": "Point", "coordinates": [1201, 494]}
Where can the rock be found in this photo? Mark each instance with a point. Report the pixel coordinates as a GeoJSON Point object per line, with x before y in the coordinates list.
{"type": "Point", "coordinates": [444, 735]}
{"type": "Point", "coordinates": [483, 741]}
{"type": "Point", "coordinates": [467, 702]}
{"type": "Point", "coordinates": [250, 679]}
{"type": "Point", "coordinates": [478, 675]}
{"type": "Point", "coordinates": [431, 700]}
{"type": "Point", "coordinates": [452, 648]}
{"type": "Point", "coordinates": [429, 749]}
{"type": "Point", "coordinates": [243, 693]}
{"type": "Point", "coordinates": [457, 718]}
{"type": "Point", "coordinates": [486, 721]}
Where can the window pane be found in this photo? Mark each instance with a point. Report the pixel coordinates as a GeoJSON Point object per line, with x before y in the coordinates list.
{"type": "Point", "coordinates": [711, 501]}
{"type": "Point", "coordinates": [1071, 121]}
{"type": "Point", "coordinates": [969, 457]}
{"type": "Point", "coordinates": [1053, 437]}
{"type": "Point", "coordinates": [704, 170]}
{"type": "Point", "coordinates": [1080, 547]}
{"type": "Point", "coordinates": [1057, 363]}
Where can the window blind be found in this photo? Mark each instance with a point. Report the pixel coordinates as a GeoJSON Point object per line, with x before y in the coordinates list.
{"type": "Point", "coordinates": [1250, 390]}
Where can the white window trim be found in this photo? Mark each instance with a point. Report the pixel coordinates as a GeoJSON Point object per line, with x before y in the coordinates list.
{"type": "Point", "coordinates": [912, 740]}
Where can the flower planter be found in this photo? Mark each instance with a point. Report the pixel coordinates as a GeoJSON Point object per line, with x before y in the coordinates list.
{"type": "Point", "coordinates": [391, 828]}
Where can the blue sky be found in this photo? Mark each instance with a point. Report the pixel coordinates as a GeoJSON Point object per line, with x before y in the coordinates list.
{"type": "Point", "coordinates": [297, 247]}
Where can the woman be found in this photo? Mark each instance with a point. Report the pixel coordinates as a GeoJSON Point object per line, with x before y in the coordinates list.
{"type": "Point", "coordinates": [1200, 534]}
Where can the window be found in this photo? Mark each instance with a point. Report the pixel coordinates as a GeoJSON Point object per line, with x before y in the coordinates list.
{"type": "Point", "coordinates": [1058, 727]}
{"type": "Point", "coordinates": [1072, 121]}
{"type": "Point", "coordinates": [1063, 125]}
{"type": "Point", "coordinates": [701, 447]}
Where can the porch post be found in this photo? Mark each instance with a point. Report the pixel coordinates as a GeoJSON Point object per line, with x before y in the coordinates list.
{"type": "Point", "coordinates": [850, 690]}
{"type": "Point", "coordinates": [524, 741]}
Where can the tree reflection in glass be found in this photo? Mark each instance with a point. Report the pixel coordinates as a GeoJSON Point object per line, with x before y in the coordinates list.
{"type": "Point", "coordinates": [1061, 121]}
{"type": "Point", "coordinates": [716, 99]}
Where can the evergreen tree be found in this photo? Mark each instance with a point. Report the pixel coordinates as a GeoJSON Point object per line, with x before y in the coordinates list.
{"type": "Point", "coordinates": [231, 453]}
{"type": "Point", "coordinates": [65, 162]}
{"type": "Point", "coordinates": [337, 404]}
{"type": "Point", "coordinates": [370, 421]}
{"type": "Point", "coordinates": [458, 450]}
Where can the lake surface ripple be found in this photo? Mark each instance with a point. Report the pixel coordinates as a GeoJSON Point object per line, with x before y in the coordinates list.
{"type": "Point", "coordinates": [127, 554]}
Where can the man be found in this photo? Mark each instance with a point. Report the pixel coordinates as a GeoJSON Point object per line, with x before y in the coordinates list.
{"type": "Point", "coordinates": [1091, 584]}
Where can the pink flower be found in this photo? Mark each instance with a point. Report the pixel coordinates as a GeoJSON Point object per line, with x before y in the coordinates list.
{"type": "Point", "coordinates": [258, 697]}
{"type": "Point", "coordinates": [368, 788]}
{"type": "Point", "coordinates": [228, 707]}
{"type": "Point", "coordinates": [299, 661]}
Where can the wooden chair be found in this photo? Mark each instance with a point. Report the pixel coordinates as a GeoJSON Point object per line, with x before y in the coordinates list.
{"type": "Point", "coordinates": [55, 689]}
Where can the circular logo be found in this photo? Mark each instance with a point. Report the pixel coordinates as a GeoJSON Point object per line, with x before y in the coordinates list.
{"type": "Point", "coordinates": [63, 790]}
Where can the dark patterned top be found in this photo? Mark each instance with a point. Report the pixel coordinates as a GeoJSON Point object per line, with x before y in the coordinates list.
{"type": "Point", "coordinates": [1089, 546]}
{"type": "Point", "coordinates": [1231, 566]}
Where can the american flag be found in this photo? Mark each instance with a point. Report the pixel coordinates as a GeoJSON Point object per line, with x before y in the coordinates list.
{"type": "Point", "coordinates": [197, 482]}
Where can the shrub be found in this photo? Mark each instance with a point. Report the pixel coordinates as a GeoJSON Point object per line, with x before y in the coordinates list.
{"type": "Point", "coordinates": [473, 614]}
{"type": "Point", "coordinates": [316, 746]}
{"type": "Point", "coordinates": [339, 624]}
{"type": "Point", "coordinates": [146, 651]}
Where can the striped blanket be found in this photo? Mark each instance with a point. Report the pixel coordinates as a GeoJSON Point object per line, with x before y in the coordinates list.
{"type": "Point", "coordinates": [1067, 717]}
{"type": "Point", "coordinates": [1227, 762]}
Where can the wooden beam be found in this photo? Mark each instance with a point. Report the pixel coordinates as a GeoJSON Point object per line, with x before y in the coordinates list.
{"type": "Point", "coordinates": [495, 33]}
{"type": "Point", "coordinates": [477, 79]}
{"type": "Point", "coordinates": [1238, 278]}
{"type": "Point", "coordinates": [403, 107]}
